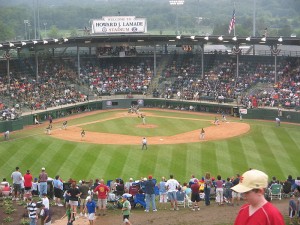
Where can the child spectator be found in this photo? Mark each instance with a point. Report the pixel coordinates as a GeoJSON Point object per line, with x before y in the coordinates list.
{"type": "Point", "coordinates": [90, 207]}
{"type": "Point", "coordinates": [126, 209]}
{"type": "Point", "coordinates": [292, 208]}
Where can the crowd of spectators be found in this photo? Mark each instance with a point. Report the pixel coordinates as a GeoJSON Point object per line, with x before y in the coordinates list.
{"type": "Point", "coordinates": [184, 81]}
{"type": "Point", "coordinates": [58, 82]}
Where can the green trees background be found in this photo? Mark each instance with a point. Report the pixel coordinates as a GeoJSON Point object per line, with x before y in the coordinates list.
{"type": "Point", "coordinates": [198, 17]}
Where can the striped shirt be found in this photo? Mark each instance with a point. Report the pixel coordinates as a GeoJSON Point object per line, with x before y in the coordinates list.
{"type": "Point", "coordinates": [31, 207]}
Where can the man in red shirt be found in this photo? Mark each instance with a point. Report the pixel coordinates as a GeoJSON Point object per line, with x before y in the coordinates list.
{"type": "Point", "coordinates": [28, 183]}
{"type": "Point", "coordinates": [102, 191]}
{"type": "Point", "coordinates": [195, 198]}
{"type": "Point", "coordinates": [258, 211]}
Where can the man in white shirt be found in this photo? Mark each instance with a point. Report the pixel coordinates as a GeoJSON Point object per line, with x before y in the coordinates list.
{"type": "Point", "coordinates": [172, 186]}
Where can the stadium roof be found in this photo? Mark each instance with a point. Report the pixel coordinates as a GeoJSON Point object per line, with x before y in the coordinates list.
{"type": "Point", "coordinates": [147, 39]}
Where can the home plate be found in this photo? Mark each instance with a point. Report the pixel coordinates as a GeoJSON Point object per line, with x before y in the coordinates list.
{"type": "Point", "coordinates": [161, 139]}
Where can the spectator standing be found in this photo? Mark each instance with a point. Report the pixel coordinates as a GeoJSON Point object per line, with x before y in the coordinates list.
{"type": "Point", "coordinates": [84, 189]}
{"type": "Point", "coordinates": [195, 197]}
{"type": "Point", "coordinates": [90, 208]}
{"type": "Point", "coordinates": [102, 190]}
{"type": "Point", "coordinates": [207, 187]}
{"type": "Point", "coordinates": [162, 192]}
{"type": "Point", "coordinates": [28, 183]}
{"type": "Point", "coordinates": [253, 184]}
{"type": "Point", "coordinates": [292, 208]}
{"type": "Point", "coordinates": [43, 177]}
{"type": "Point", "coordinates": [17, 179]}
{"type": "Point", "coordinates": [172, 186]}
{"type": "Point", "coordinates": [32, 211]}
{"type": "Point", "coordinates": [58, 190]}
{"type": "Point", "coordinates": [74, 195]}
{"type": "Point", "coordinates": [219, 191]}
{"type": "Point", "coordinates": [227, 191]}
{"type": "Point", "coordinates": [150, 194]}
{"type": "Point", "coordinates": [46, 203]}
{"type": "Point", "coordinates": [47, 215]}
{"type": "Point", "coordinates": [235, 195]}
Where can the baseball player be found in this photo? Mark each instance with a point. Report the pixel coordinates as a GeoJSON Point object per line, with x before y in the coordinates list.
{"type": "Point", "coordinates": [82, 134]}
{"type": "Point", "coordinates": [223, 117]}
{"type": "Point", "coordinates": [202, 133]}
{"type": "Point", "coordinates": [6, 135]}
{"type": "Point", "coordinates": [144, 143]}
{"type": "Point", "coordinates": [216, 121]}
{"type": "Point", "coordinates": [64, 125]}
{"type": "Point", "coordinates": [143, 118]}
{"type": "Point", "coordinates": [48, 129]}
{"type": "Point", "coordinates": [277, 121]}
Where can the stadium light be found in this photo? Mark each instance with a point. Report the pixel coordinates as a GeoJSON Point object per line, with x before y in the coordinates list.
{"type": "Point", "coordinates": [23, 43]}
{"type": "Point", "coordinates": [193, 37]}
{"type": "Point", "coordinates": [264, 39]}
{"type": "Point", "coordinates": [11, 44]}
{"type": "Point", "coordinates": [55, 40]}
{"type": "Point", "coordinates": [234, 38]}
{"type": "Point", "coordinates": [280, 39]}
{"type": "Point", "coordinates": [45, 42]}
{"type": "Point", "coordinates": [206, 38]}
{"type": "Point", "coordinates": [1, 45]}
{"type": "Point", "coordinates": [34, 42]}
{"type": "Point", "coordinates": [248, 38]}
{"type": "Point", "coordinates": [178, 37]}
{"type": "Point", "coordinates": [66, 39]}
{"type": "Point", "coordinates": [176, 3]}
{"type": "Point", "coordinates": [220, 38]}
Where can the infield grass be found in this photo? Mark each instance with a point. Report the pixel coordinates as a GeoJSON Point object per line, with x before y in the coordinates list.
{"type": "Point", "coordinates": [266, 147]}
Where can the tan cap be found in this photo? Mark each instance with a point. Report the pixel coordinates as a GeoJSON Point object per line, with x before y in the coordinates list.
{"type": "Point", "coordinates": [252, 179]}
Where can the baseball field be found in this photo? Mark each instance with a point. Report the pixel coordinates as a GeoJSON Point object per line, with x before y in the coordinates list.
{"type": "Point", "coordinates": [111, 147]}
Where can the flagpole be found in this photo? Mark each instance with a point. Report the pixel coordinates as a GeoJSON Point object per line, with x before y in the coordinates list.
{"type": "Point", "coordinates": [234, 19]}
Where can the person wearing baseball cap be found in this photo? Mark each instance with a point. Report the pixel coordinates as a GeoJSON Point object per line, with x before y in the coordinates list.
{"type": "Point", "coordinates": [126, 207]}
{"type": "Point", "coordinates": [258, 210]}
{"type": "Point", "coordinates": [90, 208]}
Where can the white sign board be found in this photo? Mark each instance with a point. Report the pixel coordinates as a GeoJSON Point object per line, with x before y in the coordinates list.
{"type": "Point", "coordinates": [118, 24]}
{"type": "Point", "coordinates": [243, 111]}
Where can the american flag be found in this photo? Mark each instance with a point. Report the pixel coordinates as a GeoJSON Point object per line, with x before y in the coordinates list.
{"type": "Point", "coordinates": [232, 22]}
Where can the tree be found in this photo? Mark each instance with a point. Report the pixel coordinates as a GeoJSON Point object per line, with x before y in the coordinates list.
{"type": "Point", "coordinates": [53, 32]}
{"type": "Point", "coordinates": [6, 33]}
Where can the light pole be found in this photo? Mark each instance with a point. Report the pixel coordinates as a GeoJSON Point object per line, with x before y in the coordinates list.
{"type": "Point", "coordinates": [45, 25]}
{"type": "Point", "coordinates": [176, 3]}
{"type": "Point", "coordinates": [26, 22]}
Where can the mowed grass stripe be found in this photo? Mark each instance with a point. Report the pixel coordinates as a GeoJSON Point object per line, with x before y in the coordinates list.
{"type": "Point", "coordinates": [67, 166]}
{"type": "Point", "coordinates": [223, 158]}
{"type": "Point", "coordinates": [254, 158]}
{"type": "Point", "coordinates": [193, 160]}
{"type": "Point", "coordinates": [162, 167]}
{"type": "Point", "coordinates": [238, 155]}
{"type": "Point", "coordinates": [262, 144]}
{"type": "Point", "coordinates": [132, 164]}
{"type": "Point", "coordinates": [280, 152]}
{"type": "Point", "coordinates": [60, 156]}
{"type": "Point", "coordinates": [87, 156]}
{"type": "Point", "coordinates": [115, 166]}
{"type": "Point", "coordinates": [11, 155]}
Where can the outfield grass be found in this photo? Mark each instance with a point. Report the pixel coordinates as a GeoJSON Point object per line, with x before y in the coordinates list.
{"type": "Point", "coordinates": [266, 147]}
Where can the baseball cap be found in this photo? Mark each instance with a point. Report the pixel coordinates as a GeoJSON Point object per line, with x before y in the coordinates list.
{"type": "Point", "coordinates": [150, 177]}
{"type": "Point", "coordinates": [88, 198]}
{"type": "Point", "coordinates": [252, 179]}
{"type": "Point", "coordinates": [43, 168]}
